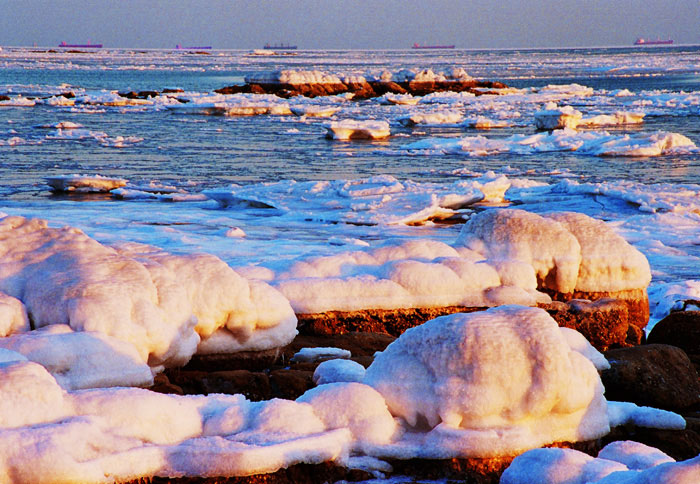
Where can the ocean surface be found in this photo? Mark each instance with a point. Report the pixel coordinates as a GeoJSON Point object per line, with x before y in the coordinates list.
{"type": "Point", "coordinates": [274, 217]}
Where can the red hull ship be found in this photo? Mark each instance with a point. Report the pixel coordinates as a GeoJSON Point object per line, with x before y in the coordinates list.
{"type": "Point", "coordinates": [81, 46]}
{"type": "Point", "coordinates": [418, 46]}
{"type": "Point", "coordinates": [641, 41]}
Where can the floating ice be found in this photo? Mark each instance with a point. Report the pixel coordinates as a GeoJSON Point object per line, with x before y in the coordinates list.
{"type": "Point", "coordinates": [437, 118]}
{"type": "Point", "coordinates": [348, 129]}
{"type": "Point", "coordinates": [84, 183]}
{"type": "Point", "coordinates": [557, 118]}
{"type": "Point", "coordinates": [592, 143]}
{"type": "Point", "coordinates": [370, 201]}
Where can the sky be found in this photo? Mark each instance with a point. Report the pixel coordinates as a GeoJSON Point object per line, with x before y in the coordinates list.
{"type": "Point", "coordinates": [349, 24]}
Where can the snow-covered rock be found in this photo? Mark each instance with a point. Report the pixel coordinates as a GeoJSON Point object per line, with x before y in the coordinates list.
{"type": "Point", "coordinates": [492, 383]}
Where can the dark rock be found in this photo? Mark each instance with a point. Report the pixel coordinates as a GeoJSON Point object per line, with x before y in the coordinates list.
{"type": "Point", "coordinates": [681, 329]}
{"type": "Point", "coordinates": [254, 385]}
{"type": "Point", "coordinates": [161, 384]}
{"type": "Point", "coordinates": [170, 90]}
{"type": "Point", "coordinates": [359, 344]}
{"type": "Point", "coordinates": [243, 360]}
{"type": "Point", "coordinates": [291, 384]}
{"type": "Point", "coordinates": [652, 375]}
{"type": "Point", "coordinates": [4, 98]}
{"type": "Point", "coordinates": [383, 87]}
{"type": "Point", "coordinates": [298, 474]}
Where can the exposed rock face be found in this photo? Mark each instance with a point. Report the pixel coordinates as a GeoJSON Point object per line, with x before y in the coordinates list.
{"type": "Point", "coordinates": [681, 329]}
{"type": "Point", "coordinates": [606, 323]}
{"type": "Point", "coordinates": [363, 89]}
{"type": "Point", "coordinates": [389, 321]}
{"type": "Point", "coordinates": [652, 375]}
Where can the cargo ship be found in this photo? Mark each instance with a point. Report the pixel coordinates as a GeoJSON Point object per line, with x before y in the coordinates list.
{"type": "Point", "coordinates": [203, 47]}
{"type": "Point", "coordinates": [81, 46]}
{"type": "Point", "coordinates": [418, 46]}
{"type": "Point", "coordinates": [641, 41]}
{"type": "Point", "coordinates": [280, 47]}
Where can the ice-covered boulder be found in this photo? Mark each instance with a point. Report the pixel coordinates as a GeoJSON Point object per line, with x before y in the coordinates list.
{"type": "Point", "coordinates": [13, 315]}
{"type": "Point", "coordinates": [158, 302]}
{"type": "Point", "coordinates": [569, 251]}
{"type": "Point", "coordinates": [491, 383]}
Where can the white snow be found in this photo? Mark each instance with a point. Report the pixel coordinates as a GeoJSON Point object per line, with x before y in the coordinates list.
{"type": "Point", "coordinates": [337, 371]}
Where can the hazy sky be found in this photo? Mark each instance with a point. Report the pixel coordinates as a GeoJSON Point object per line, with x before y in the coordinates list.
{"type": "Point", "coordinates": [358, 24]}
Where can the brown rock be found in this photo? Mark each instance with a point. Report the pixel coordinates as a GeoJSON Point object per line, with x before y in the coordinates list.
{"type": "Point", "coordinates": [383, 87]}
{"type": "Point", "coordinates": [388, 321]}
{"type": "Point", "coordinates": [161, 384]}
{"type": "Point", "coordinates": [652, 375]}
{"type": "Point", "coordinates": [254, 385]}
{"type": "Point", "coordinates": [4, 98]}
{"type": "Point", "coordinates": [291, 384]}
{"type": "Point", "coordinates": [242, 360]}
{"type": "Point", "coordinates": [605, 323]}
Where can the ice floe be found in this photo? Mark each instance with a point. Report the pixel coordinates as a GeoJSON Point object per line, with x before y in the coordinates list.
{"type": "Point", "coordinates": [349, 129]}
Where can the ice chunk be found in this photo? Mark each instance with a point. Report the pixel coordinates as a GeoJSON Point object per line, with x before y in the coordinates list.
{"type": "Point", "coordinates": [557, 118]}
{"type": "Point", "coordinates": [84, 183]}
{"type": "Point", "coordinates": [318, 353]}
{"type": "Point", "coordinates": [351, 129]}
{"type": "Point", "coordinates": [13, 316]}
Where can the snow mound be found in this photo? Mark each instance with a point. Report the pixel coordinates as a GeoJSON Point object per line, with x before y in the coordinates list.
{"type": "Point", "coordinates": [419, 273]}
{"type": "Point", "coordinates": [337, 371]}
{"type": "Point", "coordinates": [491, 383]}
{"type": "Point", "coordinates": [617, 463]}
{"type": "Point", "coordinates": [288, 76]}
{"type": "Point", "coordinates": [13, 316]}
{"type": "Point", "coordinates": [568, 251]}
{"type": "Point", "coordinates": [158, 302]}
{"type": "Point", "coordinates": [355, 406]}
{"type": "Point", "coordinates": [348, 129]}
{"type": "Point", "coordinates": [81, 359]}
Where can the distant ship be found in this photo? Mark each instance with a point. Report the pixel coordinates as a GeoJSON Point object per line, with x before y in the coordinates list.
{"type": "Point", "coordinates": [418, 46]}
{"type": "Point", "coordinates": [81, 46]}
{"type": "Point", "coordinates": [641, 41]}
{"type": "Point", "coordinates": [204, 47]}
{"type": "Point", "coordinates": [280, 47]}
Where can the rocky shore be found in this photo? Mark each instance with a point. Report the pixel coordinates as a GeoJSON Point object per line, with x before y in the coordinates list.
{"type": "Point", "coordinates": [658, 375]}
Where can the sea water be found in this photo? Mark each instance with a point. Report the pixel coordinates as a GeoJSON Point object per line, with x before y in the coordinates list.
{"type": "Point", "coordinates": [653, 201]}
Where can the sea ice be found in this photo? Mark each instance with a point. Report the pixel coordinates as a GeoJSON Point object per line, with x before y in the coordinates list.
{"type": "Point", "coordinates": [348, 129]}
